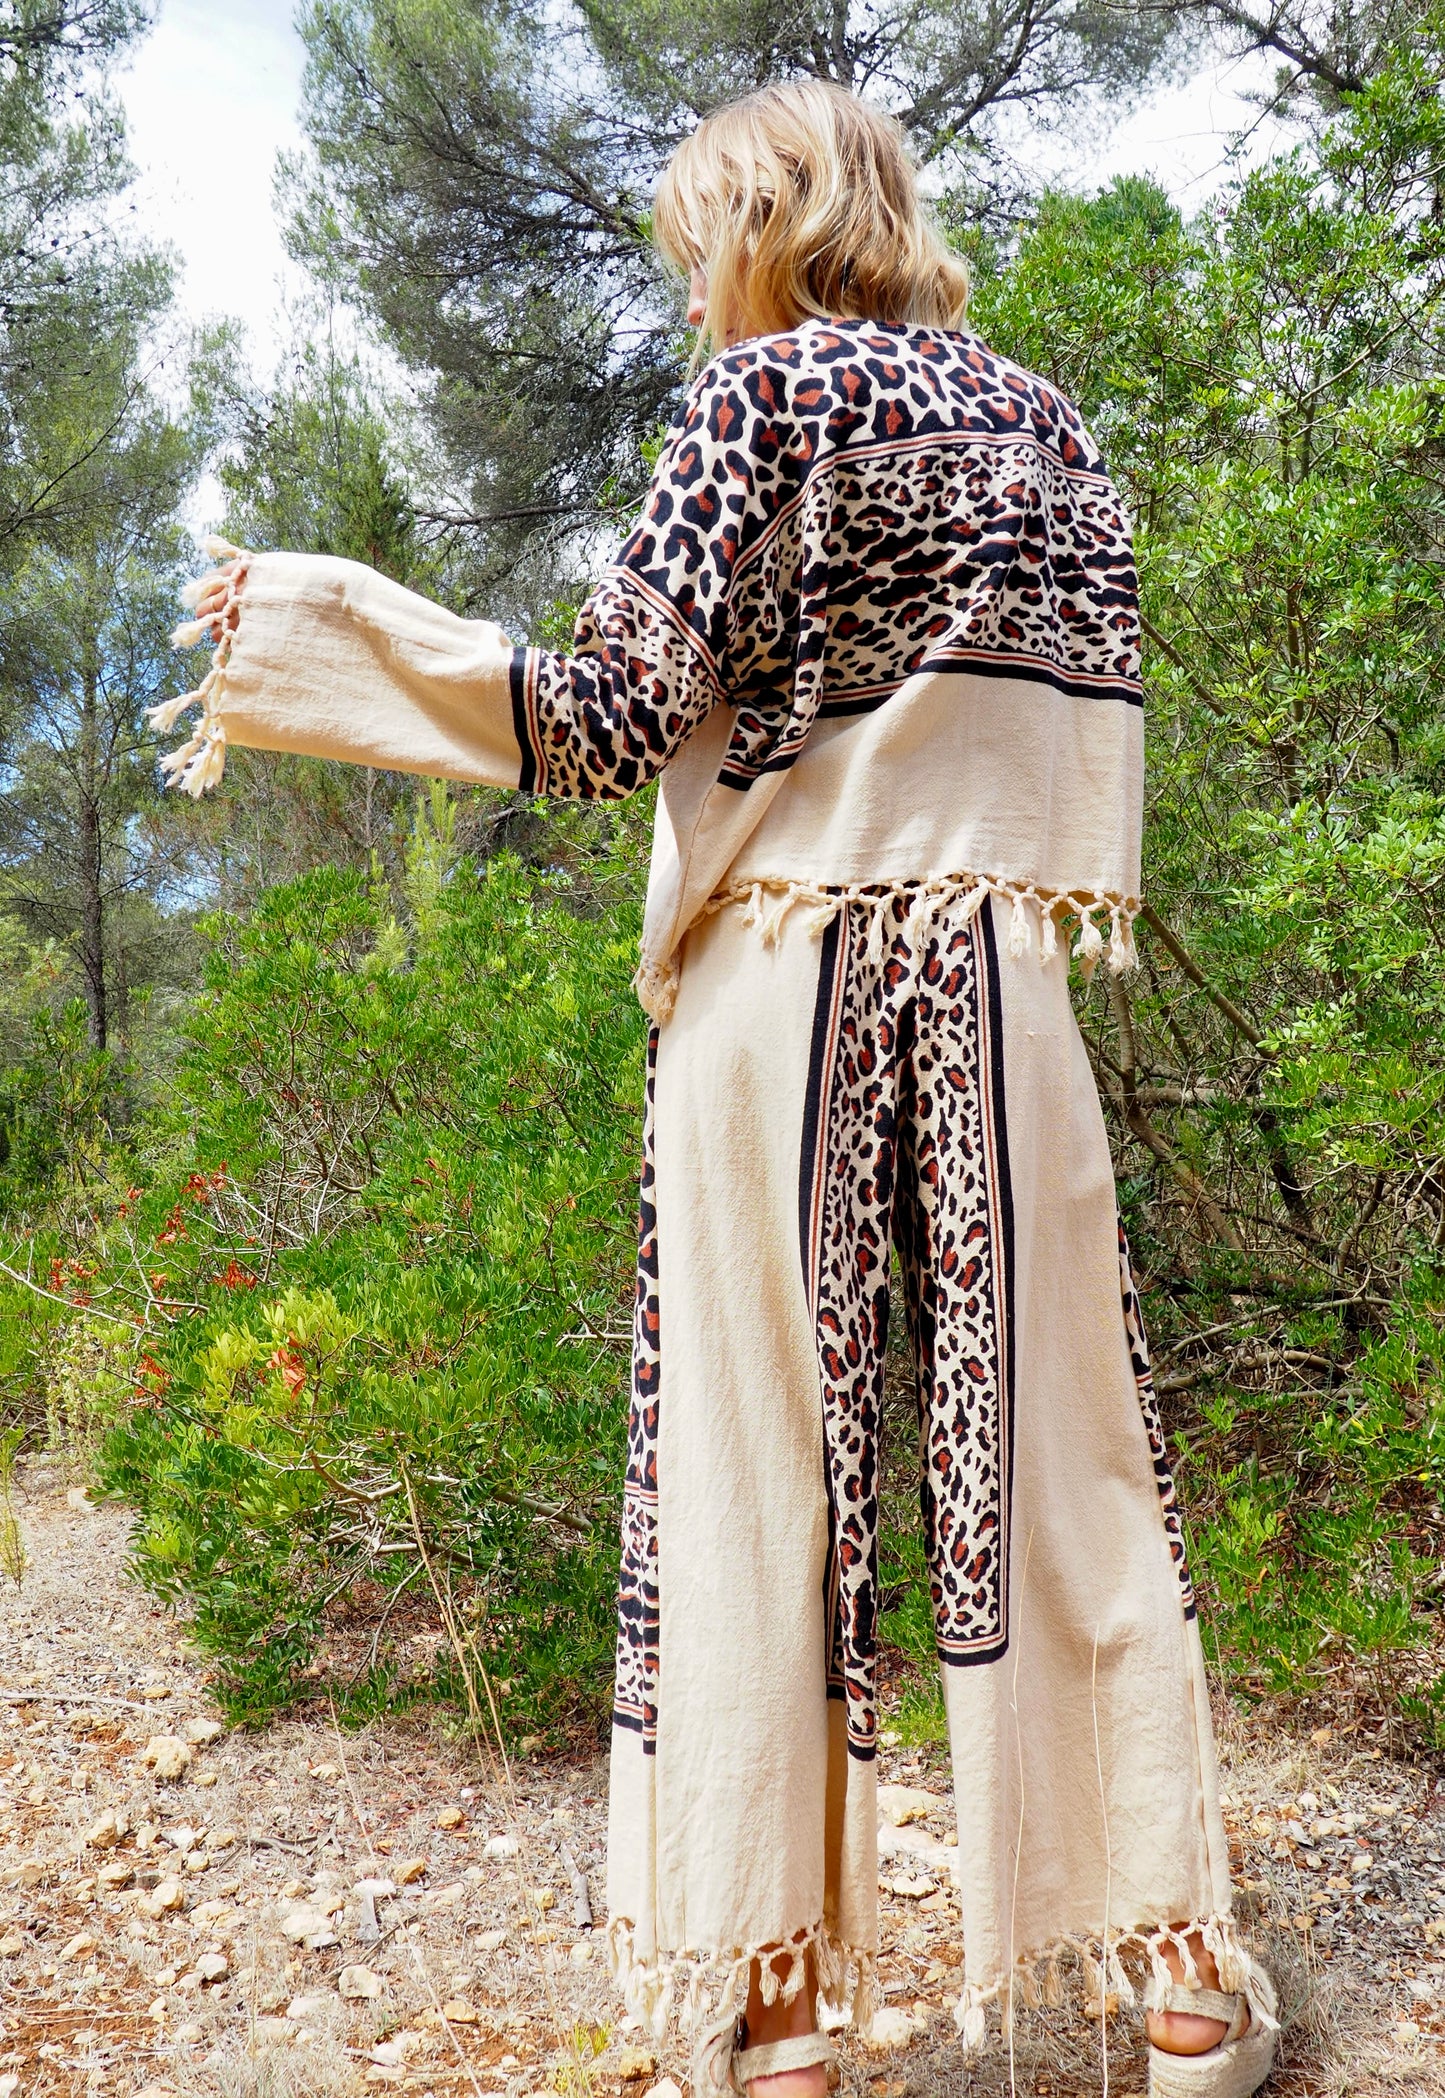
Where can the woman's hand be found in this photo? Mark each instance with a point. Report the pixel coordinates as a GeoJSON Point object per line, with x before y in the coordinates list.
{"type": "Point", "coordinates": [217, 605]}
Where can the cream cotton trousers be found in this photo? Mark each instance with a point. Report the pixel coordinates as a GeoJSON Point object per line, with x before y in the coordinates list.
{"type": "Point", "coordinates": [867, 1077]}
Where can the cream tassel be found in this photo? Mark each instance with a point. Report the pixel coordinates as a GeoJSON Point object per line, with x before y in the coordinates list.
{"type": "Point", "coordinates": [655, 983]}
{"type": "Point", "coordinates": [974, 902]}
{"type": "Point", "coordinates": [971, 2019]}
{"type": "Point", "coordinates": [865, 1994]}
{"type": "Point", "coordinates": [1018, 930]}
{"type": "Point", "coordinates": [1119, 1981]}
{"type": "Point", "coordinates": [1089, 945]}
{"type": "Point", "coordinates": [200, 763]}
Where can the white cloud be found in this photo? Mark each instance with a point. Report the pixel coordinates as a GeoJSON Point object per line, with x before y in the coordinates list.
{"type": "Point", "coordinates": [211, 97]}
{"type": "Point", "coordinates": [1181, 133]}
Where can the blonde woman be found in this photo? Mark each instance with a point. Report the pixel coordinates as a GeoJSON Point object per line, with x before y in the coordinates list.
{"type": "Point", "coordinates": [877, 631]}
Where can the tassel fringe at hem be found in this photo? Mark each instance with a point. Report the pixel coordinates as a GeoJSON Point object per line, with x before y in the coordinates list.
{"type": "Point", "coordinates": [707, 1996]}
{"type": "Point", "coordinates": [200, 762]}
{"type": "Point", "coordinates": [1103, 1965]}
{"type": "Point", "coordinates": [1105, 922]}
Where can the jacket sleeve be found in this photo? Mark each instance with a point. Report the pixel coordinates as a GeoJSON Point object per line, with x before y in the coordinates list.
{"type": "Point", "coordinates": [330, 659]}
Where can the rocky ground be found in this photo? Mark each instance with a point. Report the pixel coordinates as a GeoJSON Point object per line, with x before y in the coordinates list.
{"type": "Point", "coordinates": [186, 1910]}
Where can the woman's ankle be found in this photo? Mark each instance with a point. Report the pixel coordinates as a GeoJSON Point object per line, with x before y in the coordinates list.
{"type": "Point", "coordinates": [1182, 2032]}
{"type": "Point", "coordinates": [767, 2023]}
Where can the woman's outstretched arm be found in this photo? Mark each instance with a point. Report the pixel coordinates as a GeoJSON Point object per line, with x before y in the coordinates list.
{"type": "Point", "coordinates": [328, 658]}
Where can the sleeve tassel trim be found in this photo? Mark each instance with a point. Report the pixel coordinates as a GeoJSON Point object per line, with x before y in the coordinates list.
{"type": "Point", "coordinates": [200, 762]}
{"type": "Point", "coordinates": [706, 1995]}
{"type": "Point", "coordinates": [1102, 921]}
{"type": "Point", "coordinates": [1113, 1972]}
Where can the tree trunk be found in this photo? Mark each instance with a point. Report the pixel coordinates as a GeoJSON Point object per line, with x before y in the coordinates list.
{"type": "Point", "coordinates": [92, 906]}
{"type": "Point", "coordinates": [119, 998]}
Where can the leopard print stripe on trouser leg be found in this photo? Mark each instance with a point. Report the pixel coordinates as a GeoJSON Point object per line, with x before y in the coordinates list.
{"type": "Point", "coordinates": [893, 1083]}
{"type": "Point", "coordinates": [907, 1143]}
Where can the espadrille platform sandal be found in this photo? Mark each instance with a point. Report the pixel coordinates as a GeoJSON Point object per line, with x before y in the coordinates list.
{"type": "Point", "coordinates": [1243, 2058]}
{"type": "Point", "coordinates": [803, 2052]}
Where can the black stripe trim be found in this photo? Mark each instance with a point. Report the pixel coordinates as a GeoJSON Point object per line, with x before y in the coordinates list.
{"type": "Point", "coordinates": [1121, 692]}
{"type": "Point", "coordinates": [522, 727]}
{"type": "Point", "coordinates": [1001, 1158]}
{"type": "Point", "coordinates": [632, 1723]}
{"type": "Point", "coordinates": [819, 1062]}
{"type": "Point", "coordinates": [863, 699]}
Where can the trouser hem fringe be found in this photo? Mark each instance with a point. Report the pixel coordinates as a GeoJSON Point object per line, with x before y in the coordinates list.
{"type": "Point", "coordinates": [1102, 1966]}
{"type": "Point", "coordinates": [705, 1990]}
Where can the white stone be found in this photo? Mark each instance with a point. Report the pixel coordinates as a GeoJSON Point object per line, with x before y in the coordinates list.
{"type": "Point", "coordinates": [490, 1940]}
{"type": "Point", "coordinates": [900, 1804]}
{"type": "Point", "coordinates": [270, 2032]}
{"type": "Point", "coordinates": [360, 1985]}
{"type": "Point", "coordinates": [305, 1926]}
{"type": "Point", "coordinates": [305, 2010]}
{"type": "Point", "coordinates": [167, 1755]}
{"type": "Point", "coordinates": [501, 1847]}
{"type": "Point", "coordinates": [910, 1889]}
{"type": "Point", "coordinates": [167, 1895]}
{"type": "Point", "coordinates": [390, 2054]}
{"type": "Point", "coordinates": [213, 1966]}
{"type": "Point", "coordinates": [892, 2028]}
{"type": "Point", "coordinates": [448, 1897]}
{"type": "Point", "coordinates": [202, 1732]}
{"type": "Point", "coordinates": [914, 1846]}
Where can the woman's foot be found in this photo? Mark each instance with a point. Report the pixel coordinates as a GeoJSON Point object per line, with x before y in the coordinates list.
{"type": "Point", "coordinates": [768, 2023]}
{"type": "Point", "coordinates": [1179, 2032]}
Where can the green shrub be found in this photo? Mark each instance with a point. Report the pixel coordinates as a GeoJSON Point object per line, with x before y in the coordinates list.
{"type": "Point", "coordinates": [395, 1267]}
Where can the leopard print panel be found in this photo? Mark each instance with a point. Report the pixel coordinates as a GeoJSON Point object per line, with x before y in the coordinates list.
{"type": "Point", "coordinates": [635, 1696]}
{"type": "Point", "coordinates": [840, 508]}
{"type": "Point", "coordinates": [905, 1144]}
{"type": "Point", "coordinates": [1153, 1424]}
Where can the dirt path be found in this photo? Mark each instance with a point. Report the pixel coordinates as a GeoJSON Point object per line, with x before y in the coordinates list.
{"type": "Point", "coordinates": [202, 1932]}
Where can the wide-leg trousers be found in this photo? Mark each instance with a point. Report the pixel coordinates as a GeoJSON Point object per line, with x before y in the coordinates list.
{"type": "Point", "coordinates": [871, 1083]}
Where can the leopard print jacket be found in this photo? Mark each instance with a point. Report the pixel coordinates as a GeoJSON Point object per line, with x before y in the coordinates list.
{"type": "Point", "coordinates": [839, 508]}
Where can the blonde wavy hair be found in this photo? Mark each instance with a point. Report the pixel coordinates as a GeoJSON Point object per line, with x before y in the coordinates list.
{"type": "Point", "coordinates": [800, 200]}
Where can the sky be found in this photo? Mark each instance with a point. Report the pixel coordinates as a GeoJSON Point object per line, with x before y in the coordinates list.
{"type": "Point", "coordinates": [212, 96]}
